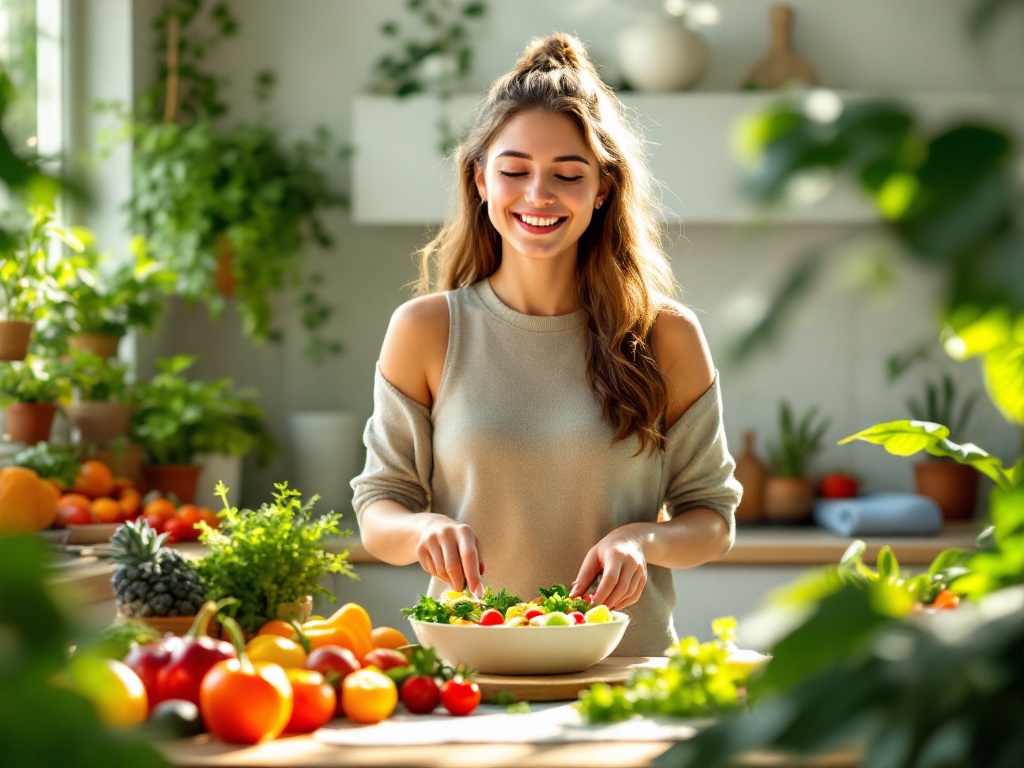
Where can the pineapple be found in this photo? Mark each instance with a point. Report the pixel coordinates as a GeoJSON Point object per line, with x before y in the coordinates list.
{"type": "Point", "coordinates": [150, 579]}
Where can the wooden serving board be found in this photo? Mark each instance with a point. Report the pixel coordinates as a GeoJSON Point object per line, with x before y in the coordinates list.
{"type": "Point", "coordinates": [612, 671]}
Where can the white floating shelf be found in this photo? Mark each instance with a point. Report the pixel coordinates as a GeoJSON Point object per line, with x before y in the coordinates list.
{"type": "Point", "coordinates": [401, 178]}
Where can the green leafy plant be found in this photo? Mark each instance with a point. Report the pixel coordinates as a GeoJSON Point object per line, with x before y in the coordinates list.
{"type": "Point", "coordinates": [941, 406]}
{"type": "Point", "coordinates": [34, 380]}
{"type": "Point", "coordinates": [230, 201]}
{"type": "Point", "coordinates": [51, 461]}
{"type": "Point", "coordinates": [270, 556]}
{"type": "Point", "coordinates": [698, 681]}
{"type": "Point", "coordinates": [95, 295]}
{"type": "Point", "coordinates": [26, 276]}
{"type": "Point", "coordinates": [93, 378]}
{"type": "Point", "coordinates": [799, 441]}
{"type": "Point", "coordinates": [174, 417]}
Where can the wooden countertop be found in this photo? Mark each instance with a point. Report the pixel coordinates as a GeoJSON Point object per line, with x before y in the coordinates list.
{"type": "Point", "coordinates": [89, 576]}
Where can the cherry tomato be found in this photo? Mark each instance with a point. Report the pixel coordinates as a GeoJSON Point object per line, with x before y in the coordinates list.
{"type": "Point", "coordinates": [421, 694]}
{"type": "Point", "coordinates": [533, 613]}
{"type": "Point", "coordinates": [491, 618]}
{"type": "Point", "coordinates": [838, 485]}
{"type": "Point", "coordinates": [460, 696]}
{"type": "Point", "coordinates": [577, 617]}
{"type": "Point", "coordinates": [368, 696]}
{"type": "Point", "coordinates": [946, 599]}
{"type": "Point", "coordinates": [314, 701]}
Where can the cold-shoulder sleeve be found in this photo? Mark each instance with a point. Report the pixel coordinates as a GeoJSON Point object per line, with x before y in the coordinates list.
{"type": "Point", "coordinates": [698, 465]}
{"type": "Point", "coordinates": [399, 456]}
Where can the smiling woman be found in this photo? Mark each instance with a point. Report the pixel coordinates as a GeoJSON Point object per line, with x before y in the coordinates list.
{"type": "Point", "coordinates": [535, 415]}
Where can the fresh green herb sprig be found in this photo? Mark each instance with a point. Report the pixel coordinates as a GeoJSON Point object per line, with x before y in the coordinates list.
{"type": "Point", "coordinates": [51, 461]}
{"type": "Point", "coordinates": [500, 601]}
{"type": "Point", "coordinates": [430, 610]}
{"type": "Point", "coordinates": [698, 682]}
{"type": "Point", "coordinates": [270, 556]}
{"type": "Point", "coordinates": [557, 598]}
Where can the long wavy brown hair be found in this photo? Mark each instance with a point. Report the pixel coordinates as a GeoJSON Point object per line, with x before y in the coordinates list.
{"type": "Point", "coordinates": [623, 275]}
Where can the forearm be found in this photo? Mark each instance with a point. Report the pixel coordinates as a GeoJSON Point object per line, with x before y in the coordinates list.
{"type": "Point", "coordinates": [391, 532]}
{"type": "Point", "coordinates": [697, 536]}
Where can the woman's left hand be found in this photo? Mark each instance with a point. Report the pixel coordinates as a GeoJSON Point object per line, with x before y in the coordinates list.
{"type": "Point", "coordinates": [619, 560]}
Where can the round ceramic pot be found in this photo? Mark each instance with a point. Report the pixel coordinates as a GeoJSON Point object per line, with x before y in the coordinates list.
{"type": "Point", "coordinates": [179, 480]}
{"type": "Point", "coordinates": [100, 344]}
{"type": "Point", "coordinates": [98, 422]}
{"type": "Point", "coordinates": [14, 339]}
{"type": "Point", "coordinates": [954, 487]}
{"type": "Point", "coordinates": [788, 499]}
{"type": "Point", "coordinates": [29, 423]}
{"type": "Point", "coordinates": [660, 53]}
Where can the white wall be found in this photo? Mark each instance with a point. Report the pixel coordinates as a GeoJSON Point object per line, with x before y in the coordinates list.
{"type": "Point", "coordinates": [833, 354]}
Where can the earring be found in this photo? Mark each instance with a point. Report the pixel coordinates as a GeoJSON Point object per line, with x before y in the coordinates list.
{"type": "Point", "coordinates": [600, 202]}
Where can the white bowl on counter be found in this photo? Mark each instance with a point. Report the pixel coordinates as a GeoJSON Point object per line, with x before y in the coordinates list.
{"type": "Point", "coordinates": [501, 650]}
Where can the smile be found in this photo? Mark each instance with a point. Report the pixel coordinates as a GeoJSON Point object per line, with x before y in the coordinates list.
{"type": "Point", "coordinates": [538, 223]}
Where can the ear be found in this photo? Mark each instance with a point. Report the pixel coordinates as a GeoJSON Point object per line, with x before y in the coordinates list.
{"type": "Point", "coordinates": [603, 190]}
{"type": "Point", "coordinates": [481, 183]}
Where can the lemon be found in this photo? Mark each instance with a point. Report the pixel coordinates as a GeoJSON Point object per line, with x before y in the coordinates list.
{"type": "Point", "coordinates": [599, 614]}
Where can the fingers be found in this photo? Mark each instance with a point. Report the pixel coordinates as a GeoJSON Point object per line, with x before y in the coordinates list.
{"type": "Point", "coordinates": [589, 570]}
{"type": "Point", "coordinates": [452, 554]}
{"type": "Point", "coordinates": [627, 592]}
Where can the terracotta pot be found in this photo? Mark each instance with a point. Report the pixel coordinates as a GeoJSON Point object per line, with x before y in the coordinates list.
{"type": "Point", "coordinates": [100, 344]}
{"type": "Point", "coordinates": [125, 459]}
{"type": "Point", "coordinates": [224, 278]}
{"type": "Point", "coordinates": [954, 487]}
{"type": "Point", "coordinates": [177, 479]}
{"type": "Point", "coordinates": [788, 499]}
{"type": "Point", "coordinates": [29, 422]}
{"type": "Point", "coordinates": [752, 474]}
{"type": "Point", "coordinates": [99, 421]}
{"type": "Point", "coordinates": [14, 339]}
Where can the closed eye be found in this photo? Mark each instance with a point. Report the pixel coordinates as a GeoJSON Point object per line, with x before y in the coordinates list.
{"type": "Point", "coordinates": [568, 178]}
{"type": "Point", "coordinates": [510, 175]}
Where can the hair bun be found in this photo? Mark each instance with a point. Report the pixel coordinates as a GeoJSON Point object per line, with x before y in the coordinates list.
{"type": "Point", "coordinates": [558, 51]}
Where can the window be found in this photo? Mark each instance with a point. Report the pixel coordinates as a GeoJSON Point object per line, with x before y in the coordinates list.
{"type": "Point", "coordinates": [18, 54]}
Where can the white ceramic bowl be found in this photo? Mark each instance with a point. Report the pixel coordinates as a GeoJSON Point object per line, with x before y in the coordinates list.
{"type": "Point", "coordinates": [504, 650]}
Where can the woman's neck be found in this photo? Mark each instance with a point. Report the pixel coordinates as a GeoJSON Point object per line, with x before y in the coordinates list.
{"type": "Point", "coordinates": [545, 289]}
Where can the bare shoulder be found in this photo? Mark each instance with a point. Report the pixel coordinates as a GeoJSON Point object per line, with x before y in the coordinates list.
{"type": "Point", "coordinates": [412, 356]}
{"type": "Point", "coordinates": [683, 355]}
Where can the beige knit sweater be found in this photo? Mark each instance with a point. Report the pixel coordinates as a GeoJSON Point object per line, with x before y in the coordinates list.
{"type": "Point", "coordinates": [515, 446]}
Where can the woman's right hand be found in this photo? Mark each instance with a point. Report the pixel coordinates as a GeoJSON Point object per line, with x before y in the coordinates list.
{"type": "Point", "coordinates": [450, 551]}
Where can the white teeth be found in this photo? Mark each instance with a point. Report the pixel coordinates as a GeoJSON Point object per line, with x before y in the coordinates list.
{"type": "Point", "coordinates": [539, 221]}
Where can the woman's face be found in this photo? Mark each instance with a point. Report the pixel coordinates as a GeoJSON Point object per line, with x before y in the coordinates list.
{"type": "Point", "coordinates": [541, 184]}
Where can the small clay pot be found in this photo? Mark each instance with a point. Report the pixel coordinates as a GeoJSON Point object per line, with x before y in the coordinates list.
{"type": "Point", "coordinates": [14, 339]}
{"type": "Point", "coordinates": [29, 423]}
{"type": "Point", "coordinates": [788, 499]}
{"type": "Point", "coordinates": [179, 480]}
{"type": "Point", "coordinates": [954, 487]}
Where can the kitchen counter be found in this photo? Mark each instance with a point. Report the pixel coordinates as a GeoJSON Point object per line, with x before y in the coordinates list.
{"type": "Point", "coordinates": [89, 575]}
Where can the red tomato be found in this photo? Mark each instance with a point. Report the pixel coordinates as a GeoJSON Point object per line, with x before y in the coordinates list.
{"type": "Point", "coordinates": [385, 658]}
{"type": "Point", "coordinates": [838, 485]}
{"type": "Point", "coordinates": [178, 529]}
{"type": "Point", "coordinates": [245, 704]}
{"type": "Point", "coordinates": [459, 696]}
{"type": "Point", "coordinates": [335, 664]}
{"type": "Point", "coordinates": [533, 613]}
{"type": "Point", "coordinates": [946, 599]}
{"type": "Point", "coordinates": [314, 701]}
{"type": "Point", "coordinates": [577, 617]}
{"type": "Point", "coordinates": [71, 514]}
{"type": "Point", "coordinates": [420, 694]}
{"type": "Point", "coordinates": [491, 618]}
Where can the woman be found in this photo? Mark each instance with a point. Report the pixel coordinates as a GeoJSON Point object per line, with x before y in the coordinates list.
{"type": "Point", "coordinates": [535, 415]}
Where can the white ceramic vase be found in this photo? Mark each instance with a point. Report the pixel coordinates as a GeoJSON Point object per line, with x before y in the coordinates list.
{"type": "Point", "coordinates": [660, 53]}
{"type": "Point", "coordinates": [326, 453]}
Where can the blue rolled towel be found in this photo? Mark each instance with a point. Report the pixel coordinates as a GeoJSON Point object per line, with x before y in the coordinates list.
{"type": "Point", "coordinates": [880, 514]}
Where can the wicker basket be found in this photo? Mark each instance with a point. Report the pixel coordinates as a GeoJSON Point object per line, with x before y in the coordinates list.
{"type": "Point", "coordinates": [180, 625]}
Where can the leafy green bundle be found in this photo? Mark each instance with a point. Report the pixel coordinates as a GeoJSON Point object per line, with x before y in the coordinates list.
{"type": "Point", "coordinates": [270, 556]}
{"type": "Point", "coordinates": [465, 605]}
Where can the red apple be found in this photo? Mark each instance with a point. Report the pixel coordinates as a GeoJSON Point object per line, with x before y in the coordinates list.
{"type": "Point", "coordinates": [335, 664]}
{"type": "Point", "coordinates": [385, 658]}
{"type": "Point", "coordinates": [838, 485]}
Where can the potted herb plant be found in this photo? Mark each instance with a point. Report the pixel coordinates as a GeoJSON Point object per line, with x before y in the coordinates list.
{"type": "Point", "coordinates": [97, 302]}
{"type": "Point", "coordinates": [282, 537]}
{"type": "Point", "coordinates": [26, 278]}
{"type": "Point", "coordinates": [788, 492]}
{"type": "Point", "coordinates": [229, 209]}
{"type": "Point", "coordinates": [175, 419]}
{"type": "Point", "coordinates": [953, 486]}
{"type": "Point", "coordinates": [101, 407]}
{"type": "Point", "coordinates": [30, 390]}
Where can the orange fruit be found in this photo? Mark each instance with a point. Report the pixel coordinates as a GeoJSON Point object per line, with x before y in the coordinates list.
{"type": "Point", "coordinates": [209, 517]}
{"type": "Point", "coordinates": [26, 504]}
{"type": "Point", "coordinates": [72, 500]}
{"type": "Point", "coordinates": [106, 510]}
{"type": "Point", "coordinates": [387, 637]}
{"type": "Point", "coordinates": [94, 479]}
{"type": "Point", "coordinates": [122, 484]}
{"type": "Point", "coordinates": [130, 501]}
{"type": "Point", "coordinates": [160, 507]}
{"type": "Point", "coordinates": [54, 488]}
